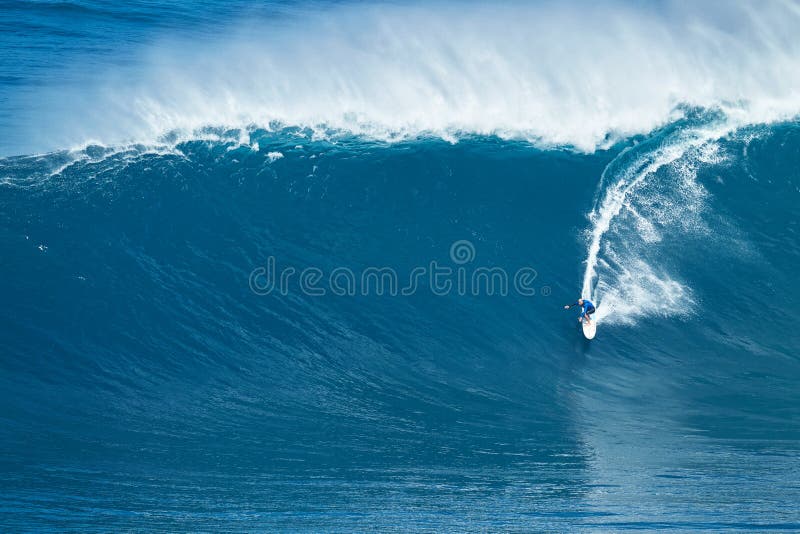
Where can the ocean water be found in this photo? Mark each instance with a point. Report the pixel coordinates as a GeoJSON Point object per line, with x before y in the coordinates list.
{"type": "Point", "coordinates": [302, 266]}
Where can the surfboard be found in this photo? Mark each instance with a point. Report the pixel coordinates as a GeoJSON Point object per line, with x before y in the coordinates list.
{"type": "Point", "coordinates": [589, 330]}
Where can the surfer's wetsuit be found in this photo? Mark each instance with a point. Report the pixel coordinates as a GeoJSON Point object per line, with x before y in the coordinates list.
{"type": "Point", "coordinates": [586, 309]}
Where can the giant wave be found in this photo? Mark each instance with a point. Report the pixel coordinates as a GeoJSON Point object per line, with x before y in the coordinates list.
{"type": "Point", "coordinates": [646, 156]}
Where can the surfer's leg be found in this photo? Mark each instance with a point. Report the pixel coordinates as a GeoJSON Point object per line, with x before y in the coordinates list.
{"type": "Point", "coordinates": [588, 313]}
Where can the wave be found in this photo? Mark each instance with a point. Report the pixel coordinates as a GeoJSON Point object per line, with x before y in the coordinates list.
{"type": "Point", "coordinates": [648, 197]}
{"type": "Point", "coordinates": [145, 383]}
{"type": "Point", "coordinates": [582, 76]}
{"type": "Point", "coordinates": [135, 349]}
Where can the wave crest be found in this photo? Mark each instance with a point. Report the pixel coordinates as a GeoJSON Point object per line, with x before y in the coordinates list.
{"type": "Point", "coordinates": [581, 76]}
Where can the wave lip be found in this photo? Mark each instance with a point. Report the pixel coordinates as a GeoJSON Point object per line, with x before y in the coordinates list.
{"type": "Point", "coordinates": [581, 76]}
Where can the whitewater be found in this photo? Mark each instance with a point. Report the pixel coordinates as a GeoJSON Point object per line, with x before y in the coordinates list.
{"type": "Point", "coordinates": [559, 75]}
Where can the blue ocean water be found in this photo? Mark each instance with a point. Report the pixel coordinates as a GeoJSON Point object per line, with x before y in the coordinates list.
{"type": "Point", "coordinates": [165, 163]}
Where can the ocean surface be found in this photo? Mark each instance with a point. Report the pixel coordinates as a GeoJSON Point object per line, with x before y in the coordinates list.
{"type": "Point", "coordinates": [276, 266]}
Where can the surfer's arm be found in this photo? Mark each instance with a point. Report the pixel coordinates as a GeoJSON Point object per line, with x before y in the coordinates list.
{"type": "Point", "coordinates": [568, 306]}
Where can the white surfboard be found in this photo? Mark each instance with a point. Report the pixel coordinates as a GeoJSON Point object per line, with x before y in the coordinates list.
{"type": "Point", "coordinates": [589, 330]}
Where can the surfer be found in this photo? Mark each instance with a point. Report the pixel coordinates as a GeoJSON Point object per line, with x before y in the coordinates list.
{"type": "Point", "coordinates": [587, 308]}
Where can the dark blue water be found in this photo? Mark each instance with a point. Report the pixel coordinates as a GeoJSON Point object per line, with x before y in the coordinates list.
{"type": "Point", "coordinates": [150, 378]}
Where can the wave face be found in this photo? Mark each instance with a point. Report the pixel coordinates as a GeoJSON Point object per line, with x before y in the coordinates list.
{"type": "Point", "coordinates": [146, 382]}
{"type": "Point", "coordinates": [167, 359]}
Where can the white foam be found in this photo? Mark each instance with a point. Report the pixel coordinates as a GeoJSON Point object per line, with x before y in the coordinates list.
{"type": "Point", "coordinates": [645, 192]}
{"type": "Point", "coordinates": [579, 75]}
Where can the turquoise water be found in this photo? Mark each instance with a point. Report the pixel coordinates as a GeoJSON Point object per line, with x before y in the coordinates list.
{"type": "Point", "coordinates": [152, 378]}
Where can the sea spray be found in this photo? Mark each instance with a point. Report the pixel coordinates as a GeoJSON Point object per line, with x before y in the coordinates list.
{"type": "Point", "coordinates": [648, 189]}
{"type": "Point", "coordinates": [582, 76]}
